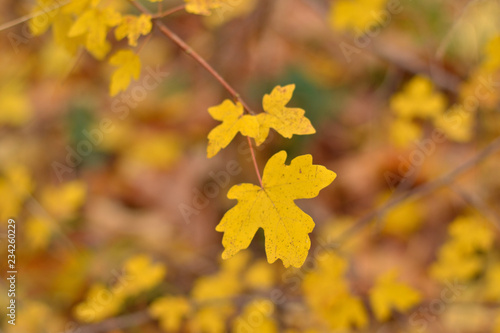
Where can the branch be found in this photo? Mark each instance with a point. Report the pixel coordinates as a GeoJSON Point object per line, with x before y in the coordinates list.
{"type": "Point", "coordinates": [169, 12]}
{"type": "Point", "coordinates": [422, 190]}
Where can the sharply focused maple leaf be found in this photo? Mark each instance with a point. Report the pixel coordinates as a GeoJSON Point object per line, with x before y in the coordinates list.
{"type": "Point", "coordinates": [272, 208]}
{"type": "Point", "coordinates": [388, 294]}
{"type": "Point", "coordinates": [286, 121]}
{"type": "Point", "coordinates": [233, 121]}
{"type": "Point", "coordinates": [129, 67]}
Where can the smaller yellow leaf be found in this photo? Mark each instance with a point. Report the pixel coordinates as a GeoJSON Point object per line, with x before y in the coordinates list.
{"type": "Point", "coordinates": [129, 67]}
{"type": "Point", "coordinates": [202, 7]}
{"type": "Point", "coordinates": [418, 99]}
{"type": "Point", "coordinates": [142, 274]}
{"type": "Point", "coordinates": [133, 27]}
{"type": "Point", "coordinates": [388, 294]}
{"type": "Point", "coordinates": [286, 121]}
{"type": "Point", "coordinates": [233, 121]}
{"type": "Point", "coordinates": [170, 311]}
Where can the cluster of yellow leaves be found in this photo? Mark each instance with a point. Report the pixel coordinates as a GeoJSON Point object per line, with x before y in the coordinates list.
{"type": "Point", "coordinates": [86, 23]}
{"type": "Point", "coordinates": [140, 274]}
{"type": "Point", "coordinates": [327, 293]}
{"type": "Point", "coordinates": [286, 121]}
{"type": "Point", "coordinates": [388, 295]}
{"type": "Point", "coordinates": [462, 257]}
{"type": "Point", "coordinates": [418, 100]}
{"type": "Point", "coordinates": [355, 15]}
{"type": "Point", "coordinates": [211, 302]}
{"type": "Point", "coordinates": [272, 208]}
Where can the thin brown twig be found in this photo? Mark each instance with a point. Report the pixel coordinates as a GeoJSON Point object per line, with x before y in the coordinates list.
{"type": "Point", "coordinates": [421, 191]}
{"type": "Point", "coordinates": [22, 19]}
{"type": "Point", "coordinates": [168, 12]}
{"type": "Point", "coordinates": [189, 51]}
{"type": "Point", "coordinates": [256, 166]}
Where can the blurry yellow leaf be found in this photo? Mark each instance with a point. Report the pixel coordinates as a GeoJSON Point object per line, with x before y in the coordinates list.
{"type": "Point", "coordinates": [38, 233]}
{"type": "Point", "coordinates": [94, 25]}
{"type": "Point", "coordinates": [258, 308]}
{"type": "Point", "coordinates": [229, 11]}
{"type": "Point", "coordinates": [16, 186]}
{"type": "Point", "coordinates": [211, 318]}
{"type": "Point", "coordinates": [286, 121]}
{"type": "Point", "coordinates": [404, 132]}
{"type": "Point", "coordinates": [272, 208]}
{"type": "Point", "coordinates": [233, 121]}
{"type": "Point", "coordinates": [327, 293]}
{"type": "Point", "coordinates": [15, 108]}
{"type": "Point", "coordinates": [355, 15]}
{"type": "Point", "coordinates": [133, 27]}
{"type": "Point", "coordinates": [65, 200]}
{"type": "Point", "coordinates": [157, 150]}
{"type": "Point", "coordinates": [457, 124]}
{"type": "Point", "coordinates": [203, 7]}
{"type": "Point", "coordinates": [100, 303]}
{"type": "Point", "coordinates": [403, 219]}
{"type": "Point", "coordinates": [418, 99]}
{"type": "Point", "coordinates": [260, 275]}
{"type": "Point", "coordinates": [170, 311]}
{"type": "Point", "coordinates": [142, 274]}
{"type": "Point", "coordinates": [491, 62]}
{"type": "Point", "coordinates": [39, 314]}
{"type": "Point", "coordinates": [387, 294]}
{"type": "Point", "coordinates": [129, 66]}
{"type": "Point", "coordinates": [491, 285]}
{"type": "Point", "coordinates": [224, 284]}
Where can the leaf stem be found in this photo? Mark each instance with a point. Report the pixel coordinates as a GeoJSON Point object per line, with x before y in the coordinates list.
{"type": "Point", "coordinates": [255, 161]}
{"type": "Point", "coordinates": [193, 54]}
{"type": "Point", "coordinates": [168, 12]}
{"type": "Point", "coordinates": [189, 51]}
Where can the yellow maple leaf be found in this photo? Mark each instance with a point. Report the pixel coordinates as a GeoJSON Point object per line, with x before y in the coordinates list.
{"type": "Point", "coordinates": [129, 67]}
{"type": "Point", "coordinates": [388, 294]}
{"type": "Point", "coordinates": [418, 99]}
{"type": "Point", "coordinates": [203, 7]}
{"type": "Point", "coordinates": [272, 208]}
{"type": "Point", "coordinates": [92, 309]}
{"type": "Point", "coordinates": [170, 311]}
{"type": "Point", "coordinates": [233, 121]}
{"type": "Point", "coordinates": [133, 27]}
{"type": "Point", "coordinates": [211, 318]}
{"type": "Point", "coordinates": [94, 24]}
{"type": "Point", "coordinates": [355, 15]}
{"type": "Point", "coordinates": [286, 121]}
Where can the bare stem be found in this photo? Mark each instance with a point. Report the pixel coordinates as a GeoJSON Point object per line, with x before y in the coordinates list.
{"type": "Point", "coordinates": [168, 12]}
{"type": "Point", "coordinates": [255, 161]}
{"type": "Point", "coordinates": [422, 190]}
